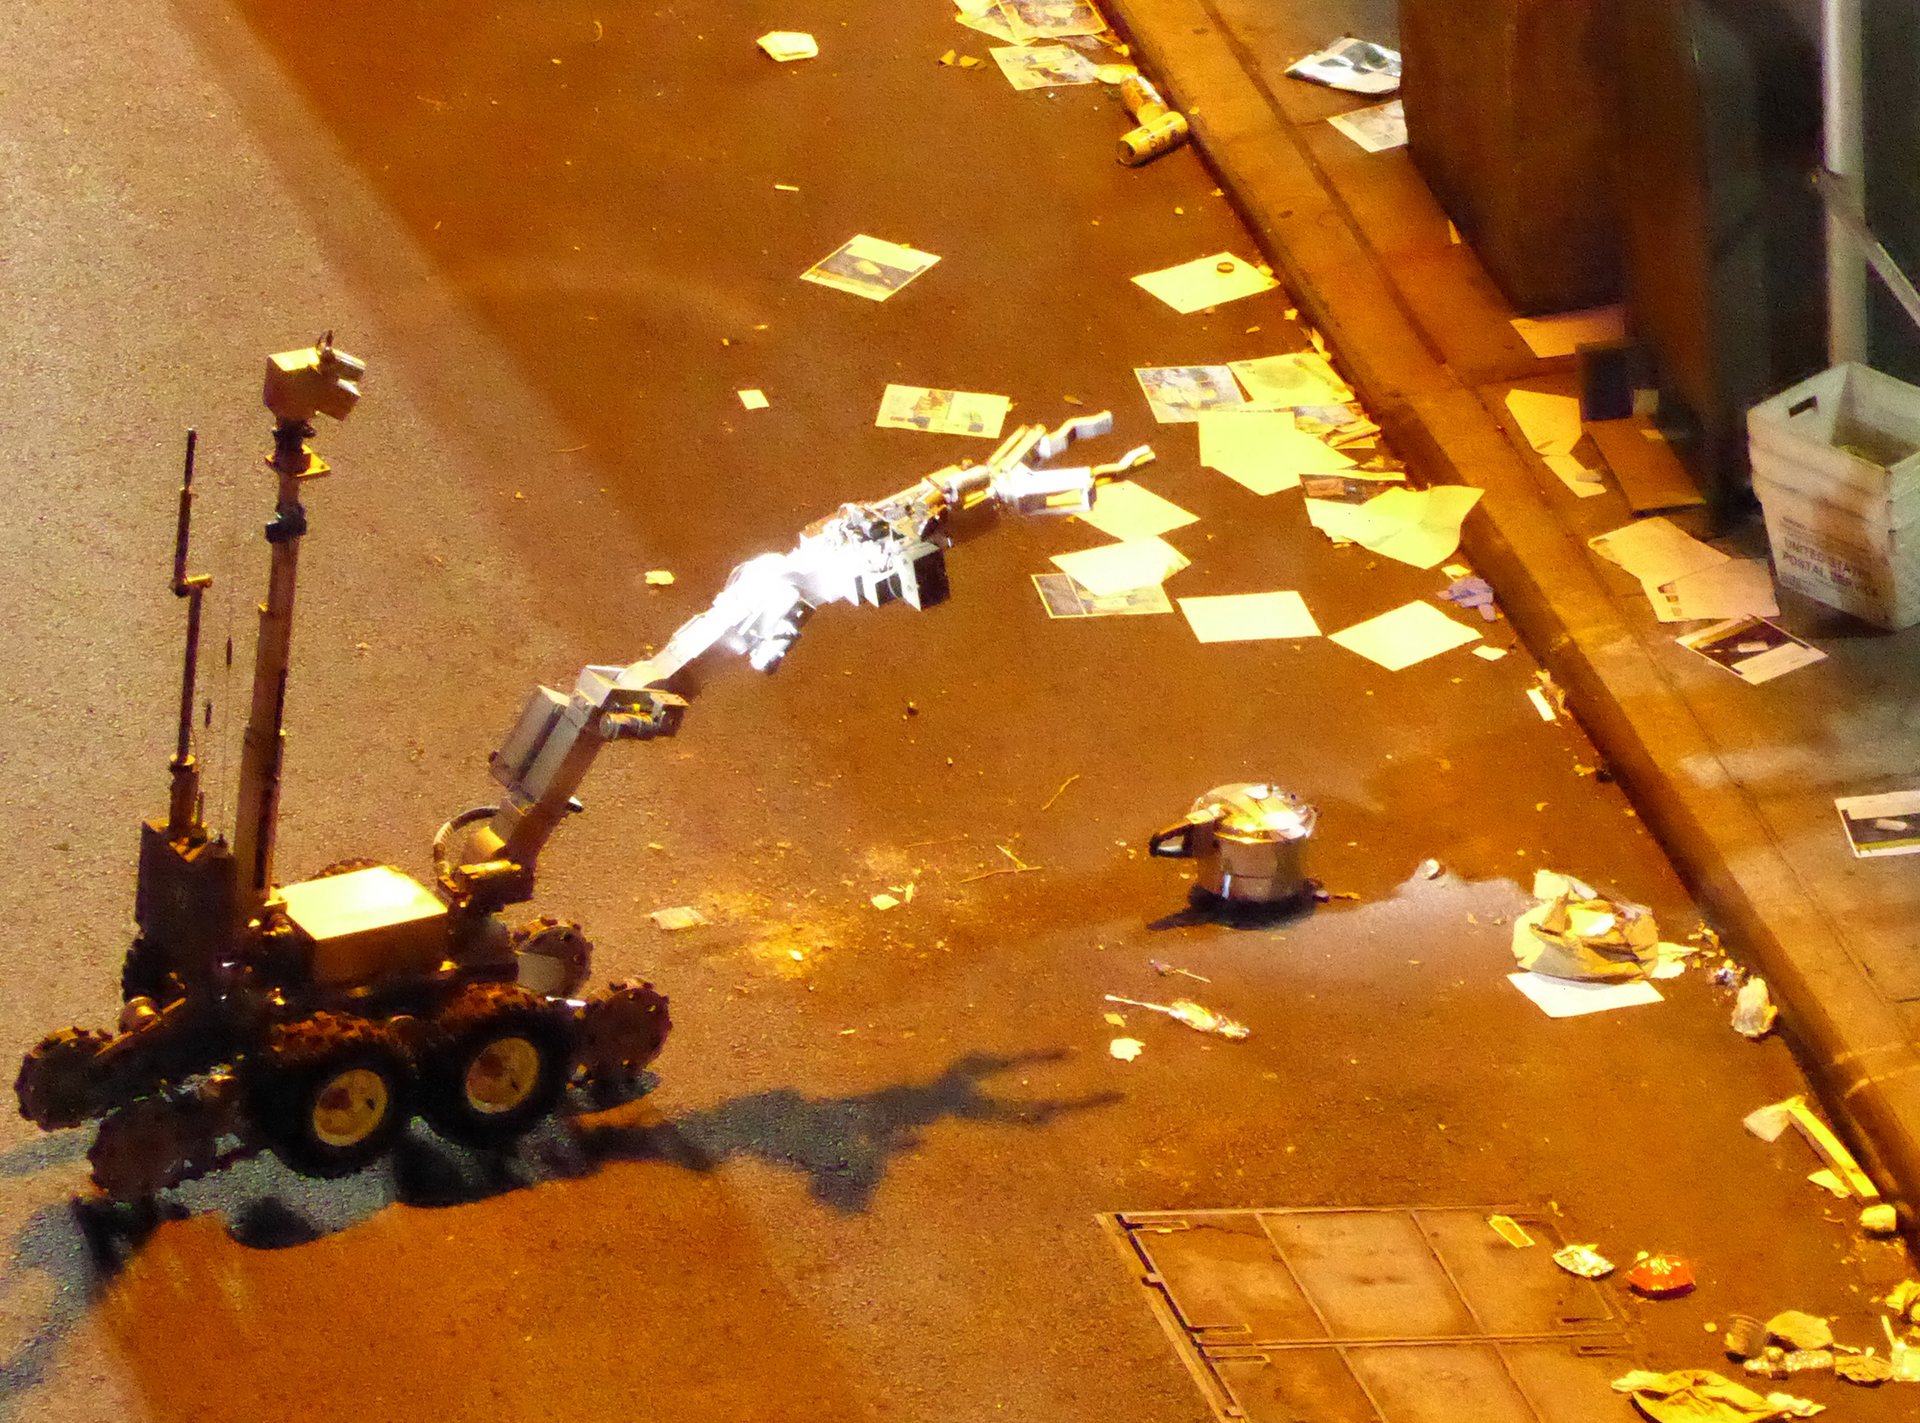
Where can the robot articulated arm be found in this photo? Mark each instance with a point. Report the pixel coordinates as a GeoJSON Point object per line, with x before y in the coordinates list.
{"type": "Point", "coordinates": [861, 553]}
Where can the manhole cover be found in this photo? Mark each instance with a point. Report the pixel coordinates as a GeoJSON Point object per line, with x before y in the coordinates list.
{"type": "Point", "coordinates": [1414, 1315]}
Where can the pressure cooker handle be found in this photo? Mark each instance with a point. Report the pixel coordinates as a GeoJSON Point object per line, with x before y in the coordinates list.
{"type": "Point", "coordinates": [1176, 841]}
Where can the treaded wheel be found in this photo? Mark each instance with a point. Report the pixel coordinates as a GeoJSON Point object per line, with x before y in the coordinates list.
{"type": "Point", "coordinates": [329, 1094]}
{"type": "Point", "coordinates": [144, 974]}
{"type": "Point", "coordinates": [497, 1063]}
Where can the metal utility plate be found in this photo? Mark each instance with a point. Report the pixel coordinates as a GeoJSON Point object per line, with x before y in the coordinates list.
{"type": "Point", "coordinates": [1404, 1315]}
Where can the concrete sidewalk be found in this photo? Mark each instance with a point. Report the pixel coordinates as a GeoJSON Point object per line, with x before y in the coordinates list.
{"type": "Point", "coordinates": [1737, 781]}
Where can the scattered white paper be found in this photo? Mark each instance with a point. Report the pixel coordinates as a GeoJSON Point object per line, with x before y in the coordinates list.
{"type": "Point", "coordinates": [1063, 598]}
{"type": "Point", "coordinates": [1569, 998]}
{"type": "Point", "coordinates": [1249, 617]}
{"type": "Point", "coordinates": [1177, 394]}
{"type": "Point", "coordinates": [1120, 567]}
{"type": "Point", "coordinates": [884, 902]}
{"type": "Point", "coordinates": [1132, 511]}
{"type": "Point", "coordinates": [943, 412]}
{"type": "Point", "coordinates": [1051, 19]}
{"type": "Point", "coordinates": [1409, 634]}
{"type": "Point", "coordinates": [1490, 654]}
{"type": "Point", "coordinates": [787, 45]}
{"type": "Point", "coordinates": [753, 399]}
{"type": "Point", "coordinates": [1562, 334]}
{"type": "Point", "coordinates": [1378, 129]}
{"type": "Point", "coordinates": [1887, 824]}
{"type": "Point", "coordinates": [869, 267]}
{"type": "Point", "coordinates": [1044, 66]}
{"type": "Point", "coordinates": [1262, 449]}
{"type": "Point", "coordinates": [1753, 649]}
{"type": "Point", "coordinates": [1126, 1049]}
{"type": "Point", "coordinates": [1337, 519]}
{"type": "Point", "coordinates": [1539, 700]}
{"type": "Point", "coordinates": [1577, 477]}
{"type": "Point", "coordinates": [987, 20]}
{"type": "Point", "coordinates": [1206, 281]}
{"type": "Point", "coordinates": [1656, 552]}
{"type": "Point", "coordinates": [681, 916]}
{"type": "Point", "coordinates": [1738, 588]}
{"type": "Point", "coordinates": [1416, 526]}
{"type": "Point", "coordinates": [1550, 422]}
{"type": "Point", "coordinates": [1355, 66]}
{"type": "Point", "coordinates": [1292, 379]}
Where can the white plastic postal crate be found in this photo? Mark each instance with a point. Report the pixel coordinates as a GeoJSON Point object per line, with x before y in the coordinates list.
{"type": "Point", "coordinates": [1836, 466]}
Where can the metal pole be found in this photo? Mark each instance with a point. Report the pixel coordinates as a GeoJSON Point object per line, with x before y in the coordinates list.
{"type": "Point", "coordinates": [1842, 100]}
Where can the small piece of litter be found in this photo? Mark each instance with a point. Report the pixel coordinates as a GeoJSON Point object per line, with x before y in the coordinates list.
{"type": "Point", "coordinates": [659, 578]}
{"type": "Point", "coordinates": [884, 901]}
{"type": "Point", "coordinates": [1510, 1230]}
{"type": "Point", "coordinates": [780, 188]}
{"type": "Point", "coordinates": [1583, 1260]}
{"type": "Point", "coordinates": [1430, 869]}
{"type": "Point", "coordinates": [1195, 1016]}
{"type": "Point", "coordinates": [1541, 704]}
{"type": "Point", "coordinates": [1799, 1330]}
{"type": "Point", "coordinates": [1754, 1013]}
{"type": "Point", "coordinates": [1879, 1219]}
{"type": "Point", "coordinates": [1702, 1396]}
{"type": "Point", "coordinates": [1868, 1370]}
{"type": "Point", "coordinates": [1661, 1277]}
{"type": "Point", "coordinates": [683, 916]}
{"type": "Point", "coordinates": [1166, 969]}
{"type": "Point", "coordinates": [1126, 1049]}
{"type": "Point", "coordinates": [753, 399]}
{"type": "Point", "coordinates": [1830, 1183]}
{"type": "Point", "coordinates": [788, 45]}
{"type": "Point", "coordinates": [1490, 654]}
{"type": "Point", "coordinates": [1114, 1020]}
{"type": "Point", "coordinates": [796, 955]}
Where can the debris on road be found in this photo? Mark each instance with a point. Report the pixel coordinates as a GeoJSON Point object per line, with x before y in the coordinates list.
{"type": "Point", "coordinates": [1796, 1329]}
{"type": "Point", "coordinates": [943, 412]}
{"type": "Point", "coordinates": [884, 902]}
{"type": "Point", "coordinates": [1061, 791]}
{"type": "Point", "coordinates": [1430, 869]}
{"type": "Point", "coordinates": [753, 399]}
{"type": "Point", "coordinates": [1264, 451]}
{"type": "Point", "coordinates": [1121, 567]}
{"type": "Point", "coordinates": [1206, 281]}
{"type": "Point", "coordinates": [659, 578]}
{"type": "Point", "coordinates": [1904, 1301]}
{"type": "Point", "coordinates": [1114, 1020]}
{"type": "Point", "coordinates": [1702, 1396]}
{"type": "Point", "coordinates": [1473, 592]}
{"type": "Point", "coordinates": [1293, 380]}
{"type": "Point", "coordinates": [984, 16]}
{"type": "Point", "coordinates": [1420, 527]}
{"type": "Point", "coordinates": [1827, 1181]}
{"type": "Point", "coordinates": [681, 916]}
{"type": "Point", "coordinates": [1044, 66]}
{"type": "Point", "coordinates": [1246, 839]}
{"type": "Point", "coordinates": [1550, 424]}
{"type": "Point", "coordinates": [1573, 932]}
{"type": "Point", "coordinates": [1886, 824]}
{"type": "Point", "coordinates": [1490, 654]}
{"type": "Point", "coordinates": [1051, 19]}
{"type": "Point", "coordinates": [1177, 394]}
{"type": "Point", "coordinates": [1660, 1276]}
{"type": "Point", "coordinates": [1064, 598]}
{"type": "Point", "coordinates": [1379, 129]}
{"type": "Point", "coordinates": [789, 45]}
{"type": "Point", "coordinates": [1166, 970]}
{"type": "Point", "coordinates": [1868, 1370]}
{"type": "Point", "coordinates": [1744, 1338]}
{"type": "Point", "coordinates": [1128, 510]}
{"type": "Point", "coordinates": [1510, 1230]}
{"type": "Point", "coordinates": [1158, 128]}
{"type": "Point", "coordinates": [1126, 1049]}
{"type": "Point", "coordinates": [1194, 1015]}
{"type": "Point", "coordinates": [869, 267]}
{"type": "Point", "coordinates": [1583, 1260]}
{"type": "Point", "coordinates": [1753, 1010]}
{"type": "Point", "coordinates": [1541, 704]}
{"type": "Point", "coordinates": [1354, 66]}
{"type": "Point", "coordinates": [1769, 1122]}
{"type": "Point", "coordinates": [1249, 617]}
{"type": "Point", "coordinates": [1409, 634]}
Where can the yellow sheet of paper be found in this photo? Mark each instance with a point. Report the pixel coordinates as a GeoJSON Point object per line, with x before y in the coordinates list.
{"type": "Point", "coordinates": [1117, 568]}
{"type": "Point", "coordinates": [1262, 450]}
{"type": "Point", "coordinates": [1548, 336]}
{"type": "Point", "coordinates": [1295, 378]}
{"type": "Point", "coordinates": [1416, 526]}
{"type": "Point", "coordinates": [1551, 423]}
{"type": "Point", "coordinates": [1132, 511]}
{"type": "Point", "coordinates": [1569, 471]}
{"type": "Point", "coordinates": [753, 399]}
{"type": "Point", "coordinates": [1409, 634]}
{"type": "Point", "coordinates": [786, 45]}
{"type": "Point", "coordinates": [1249, 617]}
{"type": "Point", "coordinates": [1339, 521]}
{"type": "Point", "coordinates": [1206, 281]}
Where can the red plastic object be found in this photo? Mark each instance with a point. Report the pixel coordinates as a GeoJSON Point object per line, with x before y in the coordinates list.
{"type": "Point", "coordinates": [1661, 1277]}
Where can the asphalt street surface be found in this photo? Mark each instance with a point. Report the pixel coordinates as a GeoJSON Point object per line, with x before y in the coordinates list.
{"type": "Point", "coordinates": [866, 1186]}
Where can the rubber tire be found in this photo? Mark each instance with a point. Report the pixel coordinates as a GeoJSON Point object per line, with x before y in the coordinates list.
{"type": "Point", "coordinates": [281, 1099]}
{"type": "Point", "coordinates": [443, 1072]}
